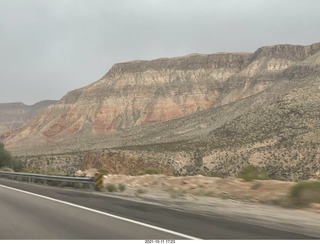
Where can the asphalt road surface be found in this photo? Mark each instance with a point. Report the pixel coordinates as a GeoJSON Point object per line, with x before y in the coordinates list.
{"type": "Point", "coordinates": [30, 211]}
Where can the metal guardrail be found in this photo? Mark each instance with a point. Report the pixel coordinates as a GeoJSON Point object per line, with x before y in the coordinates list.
{"type": "Point", "coordinates": [32, 177]}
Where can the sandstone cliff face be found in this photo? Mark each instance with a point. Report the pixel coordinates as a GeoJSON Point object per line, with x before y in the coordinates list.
{"type": "Point", "coordinates": [138, 93]}
{"type": "Point", "coordinates": [197, 114]}
{"type": "Point", "coordinates": [144, 92]}
{"type": "Point", "coordinates": [267, 67]}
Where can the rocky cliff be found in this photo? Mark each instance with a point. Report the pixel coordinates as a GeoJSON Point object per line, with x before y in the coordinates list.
{"type": "Point", "coordinates": [136, 93]}
{"type": "Point", "coordinates": [189, 112]}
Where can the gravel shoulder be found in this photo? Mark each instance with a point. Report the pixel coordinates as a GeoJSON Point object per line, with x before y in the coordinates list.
{"type": "Point", "coordinates": [251, 202]}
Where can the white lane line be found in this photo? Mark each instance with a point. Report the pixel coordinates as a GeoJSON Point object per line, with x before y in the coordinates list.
{"type": "Point", "coordinates": [106, 214]}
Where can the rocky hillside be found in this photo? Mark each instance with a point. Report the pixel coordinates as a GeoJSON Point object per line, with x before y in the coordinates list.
{"type": "Point", "coordinates": [14, 115]}
{"type": "Point", "coordinates": [137, 93]}
{"type": "Point", "coordinates": [196, 114]}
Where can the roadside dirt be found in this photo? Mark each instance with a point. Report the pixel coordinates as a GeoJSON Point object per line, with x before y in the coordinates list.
{"type": "Point", "coordinates": [228, 188]}
{"type": "Point", "coordinates": [258, 202]}
{"type": "Point", "coordinates": [269, 192]}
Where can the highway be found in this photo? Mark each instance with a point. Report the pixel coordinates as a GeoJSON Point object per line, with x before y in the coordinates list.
{"type": "Point", "coordinates": [33, 212]}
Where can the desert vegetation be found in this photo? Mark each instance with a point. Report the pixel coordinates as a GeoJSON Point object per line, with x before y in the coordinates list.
{"type": "Point", "coordinates": [113, 188]}
{"type": "Point", "coordinates": [251, 172]}
{"type": "Point", "coordinates": [304, 193]}
{"type": "Point", "coordinates": [8, 162]}
{"type": "Point", "coordinates": [149, 171]}
{"type": "Point", "coordinates": [103, 171]}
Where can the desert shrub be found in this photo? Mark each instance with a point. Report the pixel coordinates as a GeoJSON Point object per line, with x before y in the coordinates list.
{"type": "Point", "coordinates": [6, 169]}
{"type": "Point", "coordinates": [111, 187]}
{"type": "Point", "coordinates": [103, 171]}
{"type": "Point", "coordinates": [5, 157]}
{"type": "Point", "coordinates": [50, 171]}
{"type": "Point", "coordinates": [78, 185]}
{"type": "Point", "coordinates": [121, 187]}
{"type": "Point", "coordinates": [6, 160]}
{"type": "Point", "coordinates": [214, 174]}
{"type": "Point", "coordinates": [149, 171]}
{"type": "Point", "coordinates": [251, 172]}
{"type": "Point", "coordinates": [31, 171]}
{"type": "Point", "coordinates": [305, 192]}
{"type": "Point", "coordinates": [18, 166]}
{"type": "Point", "coordinates": [140, 191]}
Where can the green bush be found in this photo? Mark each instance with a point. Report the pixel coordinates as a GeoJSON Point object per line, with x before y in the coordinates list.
{"type": "Point", "coordinates": [251, 172]}
{"type": "Point", "coordinates": [6, 160]}
{"type": "Point", "coordinates": [5, 157]}
{"type": "Point", "coordinates": [121, 187]}
{"type": "Point", "coordinates": [111, 187]}
{"type": "Point", "coordinates": [18, 165]}
{"type": "Point", "coordinates": [149, 171]}
{"type": "Point", "coordinates": [304, 193]}
{"type": "Point", "coordinates": [103, 171]}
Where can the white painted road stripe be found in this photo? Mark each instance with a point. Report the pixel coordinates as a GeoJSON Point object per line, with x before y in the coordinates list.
{"type": "Point", "coordinates": [106, 214]}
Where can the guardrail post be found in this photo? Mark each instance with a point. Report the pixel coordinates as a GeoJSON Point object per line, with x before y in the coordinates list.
{"type": "Point", "coordinates": [98, 181]}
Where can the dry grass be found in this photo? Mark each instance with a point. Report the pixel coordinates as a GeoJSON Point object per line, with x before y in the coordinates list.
{"type": "Point", "coordinates": [263, 191]}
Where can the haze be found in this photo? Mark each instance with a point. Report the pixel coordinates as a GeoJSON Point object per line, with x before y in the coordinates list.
{"type": "Point", "coordinates": [48, 48]}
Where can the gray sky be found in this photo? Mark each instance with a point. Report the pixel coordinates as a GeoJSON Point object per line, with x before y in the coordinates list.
{"type": "Point", "coordinates": [49, 47]}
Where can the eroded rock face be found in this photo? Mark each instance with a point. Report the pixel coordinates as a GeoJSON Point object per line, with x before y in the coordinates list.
{"type": "Point", "coordinates": [138, 93]}
{"type": "Point", "coordinates": [143, 92]}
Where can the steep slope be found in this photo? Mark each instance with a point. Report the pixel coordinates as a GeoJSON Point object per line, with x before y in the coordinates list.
{"type": "Point", "coordinates": [135, 93]}
{"type": "Point", "coordinates": [283, 138]}
{"type": "Point", "coordinates": [142, 92]}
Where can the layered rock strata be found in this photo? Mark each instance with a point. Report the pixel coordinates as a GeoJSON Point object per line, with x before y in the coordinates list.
{"type": "Point", "coordinates": [176, 106]}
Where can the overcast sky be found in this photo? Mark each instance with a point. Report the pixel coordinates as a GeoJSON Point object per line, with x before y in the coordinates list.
{"type": "Point", "coordinates": [49, 47]}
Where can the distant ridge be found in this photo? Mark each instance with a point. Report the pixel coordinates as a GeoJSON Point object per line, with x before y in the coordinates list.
{"type": "Point", "coordinates": [14, 115]}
